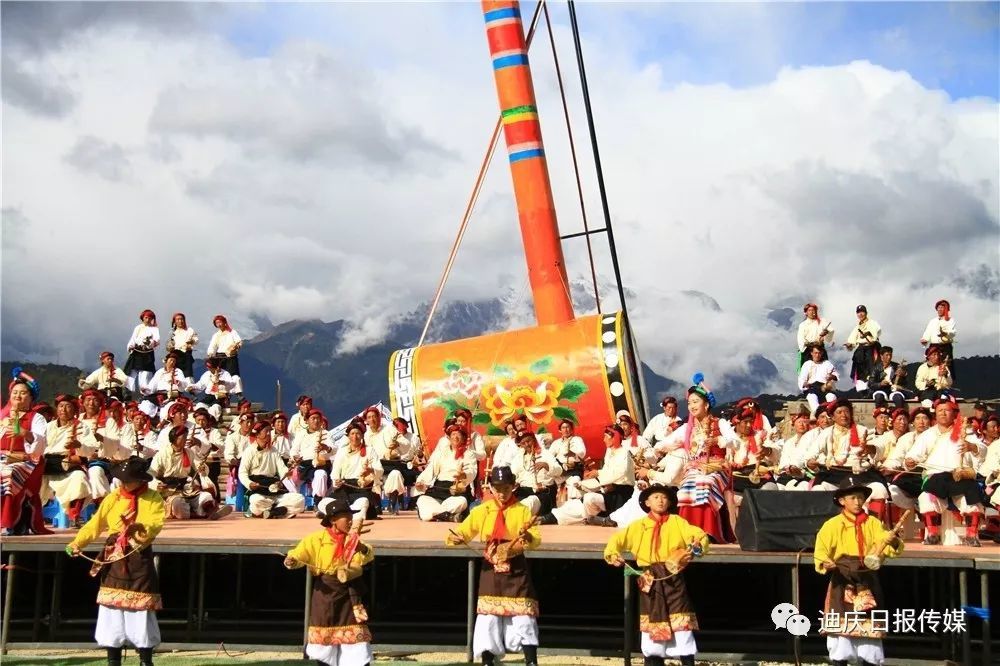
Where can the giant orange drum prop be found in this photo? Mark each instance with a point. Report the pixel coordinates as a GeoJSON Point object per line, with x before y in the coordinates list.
{"type": "Point", "coordinates": [579, 370]}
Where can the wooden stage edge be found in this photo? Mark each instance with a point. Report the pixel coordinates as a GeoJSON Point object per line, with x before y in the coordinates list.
{"type": "Point", "coordinates": [406, 536]}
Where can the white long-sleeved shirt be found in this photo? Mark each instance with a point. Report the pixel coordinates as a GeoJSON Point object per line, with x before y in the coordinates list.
{"type": "Point", "coordinates": [236, 444]}
{"type": "Point", "coordinates": [282, 444]}
{"type": "Point", "coordinates": [58, 436]}
{"type": "Point", "coordinates": [38, 428]}
{"type": "Point", "coordinates": [184, 339]}
{"type": "Point", "coordinates": [223, 342]}
{"type": "Point", "coordinates": [167, 381]}
{"type": "Point", "coordinates": [809, 330]}
{"type": "Point", "coordinates": [926, 373]}
{"type": "Point", "coordinates": [869, 326]}
{"type": "Point", "coordinates": [740, 455]}
{"type": "Point", "coordinates": [936, 326]}
{"type": "Point", "coordinates": [815, 372]}
{"type": "Point", "coordinates": [380, 440]}
{"type": "Point", "coordinates": [561, 448]}
{"type": "Point", "coordinates": [146, 441]}
{"type": "Point", "coordinates": [218, 384]}
{"type": "Point", "coordinates": [169, 462]}
{"type": "Point", "coordinates": [618, 469]}
{"type": "Point", "coordinates": [476, 444]}
{"type": "Point", "coordinates": [101, 378]}
{"type": "Point", "coordinates": [263, 462]}
{"type": "Point", "coordinates": [793, 451]}
{"type": "Point", "coordinates": [348, 463]}
{"type": "Point", "coordinates": [836, 449]}
{"type": "Point", "coordinates": [937, 453]}
{"type": "Point", "coordinates": [144, 338]}
{"type": "Point", "coordinates": [504, 454]}
{"type": "Point", "coordinates": [990, 469]}
{"type": "Point", "coordinates": [443, 466]}
{"type": "Point", "coordinates": [660, 426]}
{"type": "Point", "coordinates": [304, 445]}
{"type": "Point", "coordinates": [103, 437]}
{"type": "Point", "coordinates": [524, 471]}
{"type": "Point", "coordinates": [297, 425]}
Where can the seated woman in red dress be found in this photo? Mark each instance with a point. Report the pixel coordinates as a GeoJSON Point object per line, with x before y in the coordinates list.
{"type": "Point", "coordinates": [705, 481]}
{"type": "Point", "coordinates": [22, 442]}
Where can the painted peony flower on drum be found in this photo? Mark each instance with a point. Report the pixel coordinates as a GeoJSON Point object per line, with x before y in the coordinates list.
{"type": "Point", "coordinates": [497, 396]}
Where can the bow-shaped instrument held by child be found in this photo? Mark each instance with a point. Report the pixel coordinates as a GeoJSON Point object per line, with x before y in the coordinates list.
{"type": "Point", "coordinates": [876, 554]}
{"type": "Point", "coordinates": [499, 553]}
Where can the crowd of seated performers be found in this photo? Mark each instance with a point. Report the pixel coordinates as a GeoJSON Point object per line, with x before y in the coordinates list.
{"type": "Point", "coordinates": [873, 372]}
{"type": "Point", "coordinates": [927, 459]}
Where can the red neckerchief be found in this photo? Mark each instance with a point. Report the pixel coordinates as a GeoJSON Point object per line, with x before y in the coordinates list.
{"type": "Point", "coordinates": [460, 451]}
{"type": "Point", "coordinates": [338, 540]}
{"type": "Point", "coordinates": [185, 459]}
{"type": "Point", "coordinates": [616, 440]}
{"type": "Point", "coordinates": [859, 533]}
{"type": "Point", "coordinates": [634, 439]}
{"type": "Point", "coordinates": [129, 516]}
{"type": "Point", "coordinates": [658, 522]}
{"type": "Point", "coordinates": [362, 450]}
{"type": "Point", "coordinates": [855, 438]}
{"type": "Point", "coordinates": [752, 446]}
{"type": "Point", "coordinates": [956, 429]}
{"type": "Point", "coordinates": [500, 526]}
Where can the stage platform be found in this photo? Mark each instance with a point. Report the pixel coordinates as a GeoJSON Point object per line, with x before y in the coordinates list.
{"type": "Point", "coordinates": [202, 555]}
{"type": "Point", "coordinates": [405, 535]}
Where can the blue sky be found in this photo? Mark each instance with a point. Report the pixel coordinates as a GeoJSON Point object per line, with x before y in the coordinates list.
{"type": "Point", "coordinates": [952, 46]}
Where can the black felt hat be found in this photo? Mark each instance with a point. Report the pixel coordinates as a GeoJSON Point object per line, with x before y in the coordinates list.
{"type": "Point", "coordinates": [849, 485]}
{"type": "Point", "coordinates": [133, 469]}
{"type": "Point", "coordinates": [669, 491]}
{"type": "Point", "coordinates": [502, 476]}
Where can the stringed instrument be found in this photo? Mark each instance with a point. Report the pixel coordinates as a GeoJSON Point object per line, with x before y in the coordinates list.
{"type": "Point", "coordinates": [876, 555]}
{"type": "Point", "coordinates": [460, 484]}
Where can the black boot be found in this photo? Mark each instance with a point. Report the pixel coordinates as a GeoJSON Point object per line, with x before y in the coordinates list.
{"type": "Point", "coordinates": [547, 519]}
{"type": "Point", "coordinates": [145, 656]}
{"type": "Point", "coordinates": [652, 661]}
{"type": "Point", "coordinates": [530, 655]}
{"type": "Point", "coordinates": [114, 656]}
{"type": "Point", "coordinates": [687, 660]}
{"type": "Point", "coordinates": [489, 659]}
{"type": "Point", "coordinates": [842, 662]}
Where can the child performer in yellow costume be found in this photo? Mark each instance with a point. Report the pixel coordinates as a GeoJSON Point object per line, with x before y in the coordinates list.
{"type": "Point", "coordinates": [663, 543]}
{"type": "Point", "coordinates": [507, 610]}
{"type": "Point", "coordinates": [338, 620]}
{"type": "Point", "coordinates": [129, 595]}
{"type": "Point", "coordinates": [850, 546]}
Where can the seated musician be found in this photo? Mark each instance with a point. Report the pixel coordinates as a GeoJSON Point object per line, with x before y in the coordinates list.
{"type": "Point", "coordinates": [66, 460]}
{"type": "Point", "coordinates": [818, 378]}
{"type": "Point", "coordinates": [571, 453]}
{"type": "Point", "coordinates": [238, 441]}
{"type": "Point", "coordinates": [225, 347]}
{"type": "Point", "coordinates": [792, 458]}
{"type": "Point", "coordinates": [312, 451]}
{"type": "Point", "coordinates": [266, 477]}
{"type": "Point", "coordinates": [166, 385]}
{"type": "Point", "coordinates": [989, 472]}
{"type": "Point", "coordinates": [105, 450]}
{"type": "Point", "coordinates": [604, 491]}
{"type": "Point", "coordinates": [138, 437]}
{"type": "Point", "coordinates": [396, 456]}
{"type": "Point", "coordinates": [299, 422]}
{"type": "Point", "coordinates": [701, 450]}
{"type": "Point", "coordinates": [22, 442]}
{"type": "Point", "coordinates": [214, 386]}
{"type": "Point", "coordinates": [356, 475]}
{"type": "Point", "coordinates": [463, 419]}
{"type": "Point", "coordinates": [536, 471]}
{"type": "Point", "coordinates": [886, 380]}
{"type": "Point", "coordinates": [107, 379]}
{"type": "Point", "coordinates": [904, 487]}
{"type": "Point", "coordinates": [949, 457]}
{"type": "Point", "coordinates": [848, 449]}
{"type": "Point", "coordinates": [444, 487]}
{"type": "Point", "coordinates": [506, 449]}
{"type": "Point", "coordinates": [940, 331]}
{"type": "Point", "coordinates": [281, 439]}
{"type": "Point", "coordinates": [933, 377]}
{"type": "Point", "coordinates": [187, 491]}
{"type": "Point", "coordinates": [177, 415]}
{"type": "Point", "coordinates": [213, 446]}
{"type": "Point", "coordinates": [663, 424]}
{"type": "Point", "coordinates": [636, 444]}
{"type": "Point", "coordinates": [750, 454]}
{"type": "Point", "coordinates": [521, 423]}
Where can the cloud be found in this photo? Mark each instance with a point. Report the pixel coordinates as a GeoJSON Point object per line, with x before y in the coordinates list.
{"type": "Point", "coordinates": [93, 155]}
{"type": "Point", "coordinates": [320, 177]}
